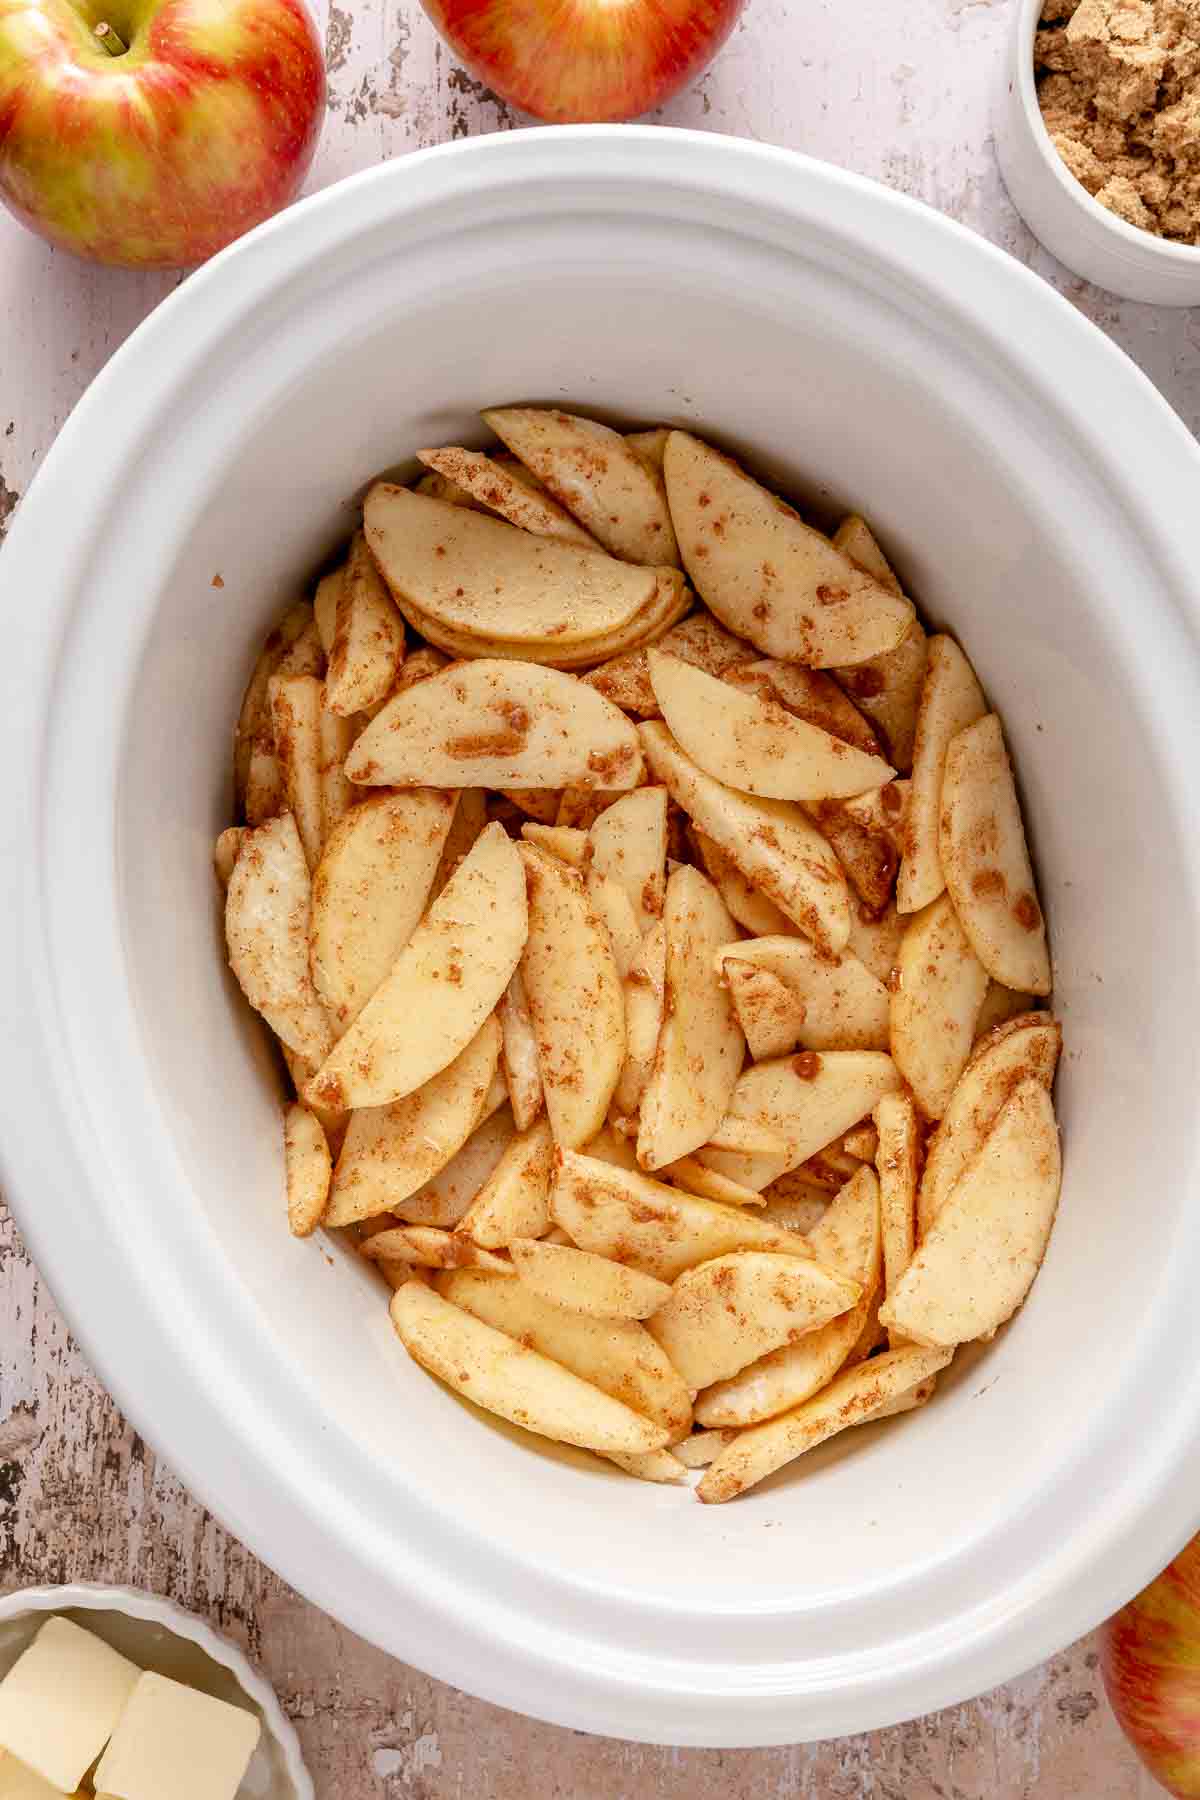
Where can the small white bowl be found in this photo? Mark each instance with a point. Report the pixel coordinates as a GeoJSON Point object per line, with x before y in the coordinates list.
{"type": "Point", "coordinates": [1059, 210]}
{"type": "Point", "coordinates": [158, 1635]}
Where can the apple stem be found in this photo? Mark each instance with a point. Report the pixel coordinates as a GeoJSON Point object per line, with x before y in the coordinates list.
{"type": "Point", "coordinates": [111, 40]}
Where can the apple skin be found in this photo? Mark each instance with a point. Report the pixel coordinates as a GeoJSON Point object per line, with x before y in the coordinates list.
{"type": "Point", "coordinates": [585, 61]}
{"type": "Point", "coordinates": [159, 157]}
{"type": "Point", "coordinates": [1150, 1658]}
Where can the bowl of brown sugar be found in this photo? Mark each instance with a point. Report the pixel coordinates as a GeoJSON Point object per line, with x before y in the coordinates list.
{"type": "Point", "coordinates": [1098, 138]}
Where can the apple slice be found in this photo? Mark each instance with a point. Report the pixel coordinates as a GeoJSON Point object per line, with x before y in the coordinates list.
{"type": "Point", "coordinates": [841, 1005]}
{"type": "Point", "coordinates": [649, 445]}
{"type": "Point", "coordinates": [935, 1000]}
{"type": "Point", "coordinates": [616, 1355]}
{"type": "Point", "coordinates": [846, 1239]}
{"type": "Point", "coordinates": [575, 999]}
{"type": "Point", "coordinates": [751, 909]}
{"type": "Point", "coordinates": [868, 857]}
{"type": "Point", "coordinates": [435, 486]}
{"type": "Point", "coordinates": [766, 574]}
{"type": "Point", "coordinates": [753, 744]}
{"type": "Point", "coordinates": [702, 1448]}
{"type": "Point", "coordinates": [449, 976]}
{"type": "Point", "coordinates": [580, 807]}
{"type": "Point", "coordinates": [629, 846]}
{"type": "Point", "coordinates": [811, 1098]}
{"type": "Point", "coordinates": [325, 605]}
{"type": "Point", "coordinates": [609, 1146]}
{"type": "Point", "coordinates": [999, 1005]}
{"type": "Point", "coordinates": [538, 804]}
{"type": "Point", "coordinates": [565, 842]}
{"type": "Point", "coordinates": [593, 472]}
{"type": "Point", "coordinates": [494, 723]}
{"type": "Point", "coordinates": [981, 842]}
{"type": "Point", "coordinates": [806, 694]}
{"type": "Point", "coordinates": [698, 639]}
{"type": "Point", "coordinates": [883, 810]}
{"type": "Point", "coordinates": [855, 539]}
{"type": "Point", "coordinates": [370, 889]}
{"type": "Point", "coordinates": [745, 1151]}
{"type": "Point", "coordinates": [694, 1178]}
{"type": "Point", "coordinates": [296, 706]}
{"type": "Point", "coordinates": [368, 636]}
{"type": "Point", "coordinates": [662, 1466]}
{"type": "Point", "coordinates": [1021, 1049]}
{"type": "Point", "coordinates": [293, 634]}
{"type": "Point", "coordinates": [862, 1142]}
{"type": "Point", "coordinates": [857, 1396]}
{"type": "Point", "coordinates": [898, 1161]}
{"type": "Point", "coordinates": [658, 1229]}
{"type": "Point", "coordinates": [267, 909]}
{"type": "Point", "coordinates": [428, 1247]}
{"type": "Point", "coordinates": [338, 793]}
{"type": "Point", "coordinates": [700, 1044]}
{"type": "Point", "coordinates": [514, 1201]}
{"type": "Point", "coordinates": [389, 1152]}
{"type": "Point", "coordinates": [772, 842]}
{"type": "Point", "coordinates": [505, 1377]}
{"type": "Point", "coordinates": [769, 1013]}
{"type": "Point", "coordinates": [876, 941]}
{"type": "Point", "coordinates": [522, 1071]}
{"type": "Point", "coordinates": [978, 1260]}
{"type": "Point", "coordinates": [264, 782]}
{"type": "Point", "coordinates": [645, 998]}
{"type": "Point", "coordinates": [888, 686]}
{"type": "Point", "coordinates": [445, 1199]}
{"type": "Point", "coordinates": [796, 1203]}
{"type": "Point", "coordinates": [736, 1308]}
{"type": "Point", "coordinates": [418, 665]}
{"type": "Point", "coordinates": [225, 853]}
{"type": "Point", "coordinates": [951, 699]}
{"type": "Point", "coordinates": [612, 907]}
{"type": "Point", "coordinates": [307, 1168]}
{"type": "Point", "coordinates": [497, 488]}
{"type": "Point", "coordinates": [486, 579]}
{"type": "Point", "coordinates": [583, 1282]}
{"type": "Point", "coordinates": [333, 1124]}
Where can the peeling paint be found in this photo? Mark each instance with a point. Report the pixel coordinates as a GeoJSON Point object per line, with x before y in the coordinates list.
{"type": "Point", "coordinates": [339, 39]}
{"type": "Point", "coordinates": [8, 501]}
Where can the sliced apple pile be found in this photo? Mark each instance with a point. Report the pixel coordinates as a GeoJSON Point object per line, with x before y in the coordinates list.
{"type": "Point", "coordinates": [658, 979]}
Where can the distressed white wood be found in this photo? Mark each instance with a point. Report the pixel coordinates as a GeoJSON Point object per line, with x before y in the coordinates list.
{"type": "Point", "coordinates": [899, 90]}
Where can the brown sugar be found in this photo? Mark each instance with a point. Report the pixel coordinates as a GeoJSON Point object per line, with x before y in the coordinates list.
{"type": "Point", "coordinates": [1119, 87]}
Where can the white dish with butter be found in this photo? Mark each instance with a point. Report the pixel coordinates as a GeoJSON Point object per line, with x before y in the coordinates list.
{"type": "Point", "coordinates": [1035, 493]}
{"type": "Point", "coordinates": [135, 1718]}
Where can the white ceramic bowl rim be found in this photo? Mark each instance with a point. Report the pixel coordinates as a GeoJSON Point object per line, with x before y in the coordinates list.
{"type": "Point", "coordinates": [1131, 237]}
{"type": "Point", "coordinates": [137, 1603]}
{"type": "Point", "coordinates": [468, 1618]}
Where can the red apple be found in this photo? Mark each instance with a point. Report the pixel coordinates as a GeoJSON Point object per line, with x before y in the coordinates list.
{"type": "Point", "coordinates": [585, 61]}
{"type": "Point", "coordinates": [199, 119]}
{"type": "Point", "coordinates": [1151, 1664]}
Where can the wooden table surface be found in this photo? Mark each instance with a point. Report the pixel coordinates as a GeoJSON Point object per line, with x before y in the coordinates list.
{"type": "Point", "coordinates": [901, 92]}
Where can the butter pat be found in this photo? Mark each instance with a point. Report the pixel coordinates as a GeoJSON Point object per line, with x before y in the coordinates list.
{"type": "Point", "coordinates": [19, 1782]}
{"type": "Point", "coordinates": [174, 1744]}
{"type": "Point", "coordinates": [60, 1702]}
